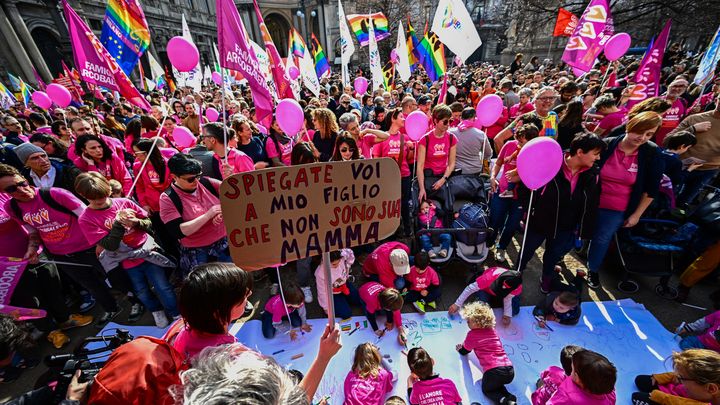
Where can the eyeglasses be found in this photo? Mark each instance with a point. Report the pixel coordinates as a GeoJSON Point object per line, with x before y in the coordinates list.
{"type": "Point", "coordinates": [139, 153]}
{"type": "Point", "coordinates": [192, 179]}
{"type": "Point", "coordinates": [345, 150]}
{"type": "Point", "coordinates": [14, 188]}
{"type": "Point", "coordinates": [682, 379]}
{"type": "Point", "coordinates": [546, 99]}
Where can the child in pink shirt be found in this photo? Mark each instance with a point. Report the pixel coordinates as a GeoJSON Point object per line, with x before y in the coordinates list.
{"type": "Point", "coordinates": [592, 381]}
{"type": "Point", "coordinates": [553, 376]}
{"type": "Point", "coordinates": [497, 369]}
{"type": "Point", "coordinates": [294, 308]}
{"type": "Point", "coordinates": [425, 387]}
{"type": "Point", "coordinates": [423, 283]}
{"type": "Point", "coordinates": [377, 298]}
{"type": "Point", "coordinates": [702, 334]}
{"type": "Point", "coordinates": [370, 379]}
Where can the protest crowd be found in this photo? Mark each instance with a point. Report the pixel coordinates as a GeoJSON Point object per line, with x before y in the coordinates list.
{"type": "Point", "coordinates": [117, 194]}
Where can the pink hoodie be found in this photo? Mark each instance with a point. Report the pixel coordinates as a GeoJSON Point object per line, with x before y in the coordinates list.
{"type": "Point", "coordinates": [569, 393]}
{"type": "Point", "coordinates": [111, 169]}
{"type": "Point", "coordinates": [149, 187]}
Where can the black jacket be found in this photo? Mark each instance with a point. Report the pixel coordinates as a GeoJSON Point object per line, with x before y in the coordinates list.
{"type": "Point", "coordinates": [65, 175]}
{"type": "Point", "coordinates": [555, 209]}
{"type": "Point", "coordinates": [650, 171]}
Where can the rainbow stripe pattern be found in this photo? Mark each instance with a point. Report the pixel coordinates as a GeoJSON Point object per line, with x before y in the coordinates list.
{"type": "Point", "coordinates": [322, 67]}
{"type": "Point", "coordinates": [297, 45]}
{"type": "Point", "coordinates": [359, 25]}
{"type": "Point", "coordinates": [432, 56]}
{"type": "Point", "coordinates": [20, 86]}
{"type": "Point", "coordinates": [412, 45]}
{"type": "Point", "coordinates": [125, 32]}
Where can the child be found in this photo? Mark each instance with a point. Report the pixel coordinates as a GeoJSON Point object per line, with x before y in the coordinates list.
{"type": "Point", "coordinates": [498, 283]}
{"type": "Point", "coordinates": [395, 400]}
{"type": "Point", "coordinates": [484, 341]}
{"type": "Point", "coordinates": [675, 145]}
{"type": "Point", "coordinates": [424, 283]}
{"type": "Point", "coordinates": [701, 334]}
{"type": "Point", "coordinates": [553, 376]}
{"type": "Point", "coordinates": [424, 387]}
{"type": "Point", "coordinates": [695, 381]}
{"type": "Point", "coordinates": [592, 381]}
{"type": "Point", "coordinates": [428, 219]}
{"type": "Point", "coordinates": [344, 292]}
{"type": "Point", "coordinates": [562, 304]}
{"type": "Point", "coordinates": [275, 312]}
{"type": "Point", "coordinates": [370, 379]}
{"type": "Point", "coordinates": [116, 188]}
{"type": "Point", "coordinates": [377, 298]}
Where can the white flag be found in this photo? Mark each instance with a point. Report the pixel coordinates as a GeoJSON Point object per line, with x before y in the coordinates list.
{"type": "Point", "coordinates": [155, 69]}
{"type": "Point", "coordinates": [150, 84]}
{"type": "Point", "coordinates": [347, 47]}
{"type": "Point", "coordinates": [375, 65]}
{"type": "Point", "coordinates": [403, 63]}
{"type": "Point", "coordinates": [193, 78]}
{"type": "Point", "coordinates": [454, 27]}
{"type": "Point", "coordinates": [207, 74]}
{"type": "Point", "coordinates": [309, 76]}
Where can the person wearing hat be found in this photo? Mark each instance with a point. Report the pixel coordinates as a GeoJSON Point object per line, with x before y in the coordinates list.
{"type": "Point", "coordinates": [388, 263]}
{"type": "Point", "coordinates": [44, 172]}
{"type": "Point", "coordinates": [424, 103]}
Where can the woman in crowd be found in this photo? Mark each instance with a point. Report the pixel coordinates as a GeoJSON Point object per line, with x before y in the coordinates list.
{"type": "Point", "coordinates": [327, 131]}
{"type": "Point", "coordinates": [249, 141]}
{"type": "Point", "coordinates": [345, 148]}
{"type": "Point", "coordinates": [570, 123]}
{"type": "Point", "coordinates": [94, 154]}
{"type": "Point", "coordinates": [440, 161]}
{"type": "Point", "coordinates": [278, 145]}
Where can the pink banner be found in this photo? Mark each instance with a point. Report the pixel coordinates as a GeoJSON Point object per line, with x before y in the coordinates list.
{"type": "Point", "coordinates": [276, 67]}
{"type": "Point", "coordinates": [647, 78]}
{"type": "Point", "coordinates": [237, 54]}
{"type": "Point", "coordinates": [95, 63]}
{"type": "Point", "coordinates": [10, 272]}
{"type": "Point", "coordinates": [22, 314]}
{"type": "Point", "coordinates": [588, 40]}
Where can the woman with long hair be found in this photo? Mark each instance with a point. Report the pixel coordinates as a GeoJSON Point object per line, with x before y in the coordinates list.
{"type": "Point", "coordinates": [94, 155]}
{"type": "Point", "coordinates": [326, 132]}
{"type": "Point", "coordinates": [570, 123]}
{"type": "Point", "coordinates": [133, 133]}
{"type": "Point", "coordinates": [278, 145]}
{"type": "Point", "coordinates": [249, 141]}
{"type": "Point", "coordinates": [345, 148]}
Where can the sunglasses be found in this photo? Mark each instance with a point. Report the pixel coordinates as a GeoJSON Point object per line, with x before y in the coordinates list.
{"type": "Point", "coordinates": [345, 150]}
{"type": "Point", "coordinates": [14, 188]}
{"type": "Point", "coordinates": [682, 379]}
{"type": "Point", "coordinates": [192, 179]}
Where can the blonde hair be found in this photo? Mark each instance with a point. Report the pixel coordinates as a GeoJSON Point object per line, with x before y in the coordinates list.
{"type": "Point", "coordinates": [480, 314]}
{"type": "Point", "coordinates": [327, 124]}
{"type": "Point", "coordinates": [92, 186]}
{"type": "Point", "coordinates": [644, 121]}
{"type": "Point", "coordinates": [701, 365]}
{"type": "Point", "coordinates": [366, 362]}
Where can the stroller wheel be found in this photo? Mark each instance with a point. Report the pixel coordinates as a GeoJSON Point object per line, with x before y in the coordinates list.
{"type": "Point", "coordinates": [628, 286]}
{"type": "Point", "coordinates": [667, 292]}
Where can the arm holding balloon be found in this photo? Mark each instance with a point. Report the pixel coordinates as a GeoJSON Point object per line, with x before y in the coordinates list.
{"type": "Point", "coordinates": [379, 135]}
{"type": "Point", "coordinates": [420, 171]}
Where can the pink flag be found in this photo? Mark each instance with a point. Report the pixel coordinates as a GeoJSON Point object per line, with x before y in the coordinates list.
{"type": "Point", "coordinates": [11, 270]}
{"type": "Point", "coordinates": [588, 40]}
{"type": "Point", "coordinates": [276, 67]}
{"type": "Point", "coordinates": [443, 91]}
{"type": "Point", "coordinates": [39, 80]}
{"type": "Point", "coordinates": [237, 54]}
{"type": "Point", "coordinates": [95, 63]}
{"type": "Point", "coordinates": [647, 78]}
{"type": "Point", "coordinates": [22, 314]}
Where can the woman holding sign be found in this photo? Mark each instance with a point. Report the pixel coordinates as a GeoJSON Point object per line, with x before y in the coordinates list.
{"type": "Point", "coordinates": [436, 153]}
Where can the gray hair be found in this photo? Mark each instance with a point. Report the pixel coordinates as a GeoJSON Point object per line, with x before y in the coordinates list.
{"type": "Point", "coordinates": [525, 91]}
{"type": "Point", "coordinates": [546, 89]}
{"type": "Point", "coordinates": [346, 119]}
{"type": "Point", "coordinates": [232, 374]}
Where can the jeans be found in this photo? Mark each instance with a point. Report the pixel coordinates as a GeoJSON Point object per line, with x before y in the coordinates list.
{"type": "Point", "coordinates": [608, 222]}
{"type": "Point", "coordinates": [505, 215]}
{"type": "Point", "coordinates": [427, 243]}
{"type": "Point", "coordinates": [485, 297]}
{"type": "Point", "coordinates": [494, 381]}
{"type": "Point", "coordinates": [432, 295]}
{"type": "Point", "coordinates": [91, 278]}
{"type": "Point", "coordinates": [555, 250]}
{"type": "Point", "coordinates": [405, 197]}
{"type": "Point", "coordinates": [691, 342]}
{"type": "Point", "coordinates": [155, 275]}
{"type": "Point", "coordinates": [268, 329]}
{"type": "Point", "coordinates": [40, 287]}
{"type": "Point", "coordinates": [218, 251]}
{"type": "Point", "coordinates": [342, 302]}
{"type": "Point", "coordinates": [694, 182]}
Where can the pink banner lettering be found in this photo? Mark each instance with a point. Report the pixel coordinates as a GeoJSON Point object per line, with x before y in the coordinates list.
{"type": "Point", "coordinates": [10, 272]}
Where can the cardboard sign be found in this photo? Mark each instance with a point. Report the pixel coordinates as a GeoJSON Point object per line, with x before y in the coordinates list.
{"type": "Point", "coordinates": [279, 215]}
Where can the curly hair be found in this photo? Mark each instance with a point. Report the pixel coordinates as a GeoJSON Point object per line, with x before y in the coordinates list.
{"type": "Point", "coordinates": [327, 125]}
{"type": "Point", "coordinates": [480, 314]}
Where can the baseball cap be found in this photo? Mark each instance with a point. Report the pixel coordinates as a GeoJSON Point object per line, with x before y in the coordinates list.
{"type": "Point", "coordinates": [400, 262]}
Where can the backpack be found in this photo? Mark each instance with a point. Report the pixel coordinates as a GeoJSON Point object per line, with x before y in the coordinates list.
{"type": "Point", "coordinates": [140, 372]}
{"type": "Point", "coordinates": [473, 215]}
{"type": "Point", "coordinates": [47, 199]}
{"type": "Point", "coordinates": [175, 198]}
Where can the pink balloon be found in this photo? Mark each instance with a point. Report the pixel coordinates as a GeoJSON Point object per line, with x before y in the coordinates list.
{"type": "Point", "coordinates": [59, 94]}
{"type": "Point", "coordinates": [617, 45]}
{"type": "Point", "coordinates": [42, 100]}
{"type": "Point", "coordinates": [217, 78]}
{"type": "Point", "coordinates": [539, 161]}
{"type": "Point", "coordinates": [294, 72]}
{"type": "Point", "coordinates": [489, 109]}
{"type": "Point", "coordinates": [290, 116]}
{"type": "Point", "coordinates": [393, 56]}
{"type": "Point", "coordinates": [212, 114]}
{"type": "Point", "coordinates": [183, 54]}
{"type": "Point", "coordinates": [416, 125]}
{"type": "Point", "coordinates": [183, 137]}
{"type": "Point", "coordinates": [361, 85]}
{"type": "Point", "coordinates": [577, 72]}
{"type": "Point", "coordinates": [262, 128]}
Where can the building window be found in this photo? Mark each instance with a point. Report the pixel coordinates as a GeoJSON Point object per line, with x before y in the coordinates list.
{"type": "Point", "coordinates": [95, 25]}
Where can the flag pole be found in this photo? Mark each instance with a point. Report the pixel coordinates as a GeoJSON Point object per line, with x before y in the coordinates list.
{"type": "Point", "coordinates": [552, 38]}
{"type": "Point", "coordinates": [222, 73]}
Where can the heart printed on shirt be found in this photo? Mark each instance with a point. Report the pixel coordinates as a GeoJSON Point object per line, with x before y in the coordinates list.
{"type": "Point", "coordinates": [45, 215]}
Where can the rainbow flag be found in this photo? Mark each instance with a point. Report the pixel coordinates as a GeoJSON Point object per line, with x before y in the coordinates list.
{"type": "Point", "coordinates": [322, 67]}
{"type": "Point", "coordinates": [23, 88]}
{"type": "Point", "coordinates": [359, 25]}
{"type": "Point", "coordinates": [412, 44]}
{"type": "Point", "coordinates": [432, 56]}
{"type": "Point", "coordinates": [7, 98]}
{"type": "Point", "coordinates": [125, 32]}
{"type": "Point", "coordinates": [297, 45]}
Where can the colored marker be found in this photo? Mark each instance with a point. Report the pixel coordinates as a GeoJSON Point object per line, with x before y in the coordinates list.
{"type": "Point", "coordinates": [537, 318]}
{"type": "Point", "coordinates": [354, 330]}
{"type": "Point", "coordinates": [278, 352]}
{"type": "Point", "coordinates": [679, 329]}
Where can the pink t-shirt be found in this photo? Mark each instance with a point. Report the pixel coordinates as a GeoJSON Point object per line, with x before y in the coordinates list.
{"type": "Point", "coordinates": [671, 119]}
{"type": "Point", "coordinates": [435, 391]}
{"type": "Point", "coordinates": [194, 205]}
{"type": "Point", "coordinates": [13, 238]}
{"type": "Point", "coordinates": [285, 150]}
{"type": "Point", "coordinates": [367, 391]}
{"type": "Point", "coordinates": [239, 161]}
{"type": "Point", "coordinates": [485, 280]}
{"type": "Point", "coordinates": [421, 281]}
{"type": "Point", "coordinates": [516, 110]}
{"type": "Point", "coordinates": [551, 377]}
{"type": "Point", "coordinates": [708, 337]}
{"type": "Point", "coordinates": [366, 144]}
{"type": "Point", "coordinates": [487, 347]}
{"type": "Point", "coordinates": [617, 177]}
{"type": "Point", "coordinates": [60, 232]}
{"type": "Point", "coordinates": [274, 306]}
{"type": "Point", "coordinates": [437, 151]}
{"type": "Point", "coordinates": [572, 179]}
{"type": "Point", "coordinates": [369, 293]}
{"type": "Point", "coordinates": [391, 148]}
{"type": "Point", "coordinates": [190, 342]}
{"type": "Point", "coordinates": [612, 120]}
{"type": "Point", "coordinates": [378, 262]}
{"type": "Point", "coordinates": [508, 159]}
{"type": "Point", "coordinates": [569, 393]}
{"type": "Point", "coordinates": [96, 224]}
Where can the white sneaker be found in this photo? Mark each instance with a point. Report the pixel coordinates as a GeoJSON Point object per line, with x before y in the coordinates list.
{"type": "Point", "coordinates": [500, 255]}
{"type": "Point", "coordinates": [308, 294]}
{"type": "Point", "coordinates": [432, 254]}
{"type": "Point", "coordinates": [443, 253]}
{"type": "Point", "coordinates": [161, 320]}
{"type": "Point", "coordinates": [274, 289]}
